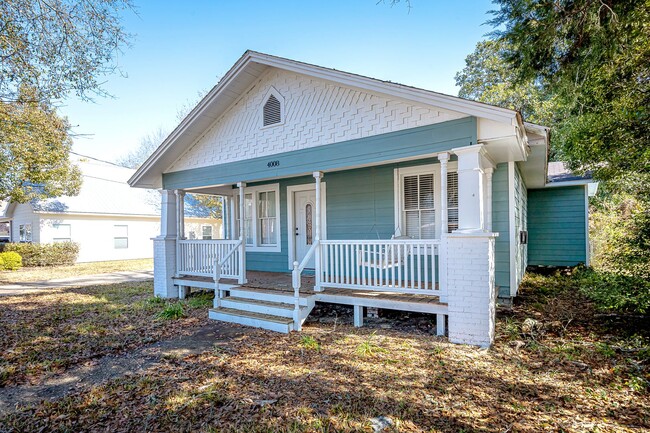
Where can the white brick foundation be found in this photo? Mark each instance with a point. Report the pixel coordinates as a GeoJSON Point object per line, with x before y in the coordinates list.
{"type": "Point", "coordinates": [471, 290]}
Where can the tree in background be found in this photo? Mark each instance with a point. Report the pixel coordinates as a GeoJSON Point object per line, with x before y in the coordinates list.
{"type": "Point", "coordinates": [487, 77]}
{"type": "Point", "coordinates": [59, 46]}
{"type": "Point", "coordinates": [594, 57]}
{"type": "Point", "coordinates": [49, 50]}
{"type": "Point", "coordinates": [34, 146]}
{"type": "Point", "coordinates": [583, 68]}
{"type": "Point", "coordinates": [148, 144]}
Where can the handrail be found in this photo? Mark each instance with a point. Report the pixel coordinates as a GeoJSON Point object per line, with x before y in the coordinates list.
{"type": "Point", "coordinates": [217, 272]}
{"type": "Point", "coordinates": [295, 282]}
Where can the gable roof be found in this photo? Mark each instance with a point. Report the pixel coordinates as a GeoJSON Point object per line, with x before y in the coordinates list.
{"type": "Point", "coordinates": [251, 66]}
{"type": "Point", "coordinates": [105, 191]}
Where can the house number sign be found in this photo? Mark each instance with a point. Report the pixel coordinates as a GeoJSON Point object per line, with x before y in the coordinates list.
{"type": "Point", "coordinates": [272, 164]}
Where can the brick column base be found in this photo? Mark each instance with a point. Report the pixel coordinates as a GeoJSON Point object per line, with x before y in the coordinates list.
{"type": "Point", "coordinates": [470, 288]}
{"type": "Point", "coordinates": [164, 267]}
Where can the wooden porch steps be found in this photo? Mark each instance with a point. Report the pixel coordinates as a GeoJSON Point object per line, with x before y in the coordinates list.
{"type": "Point", "coordinates": [267, 309]}
{"type": "Point", "coordinates": [248, 318]}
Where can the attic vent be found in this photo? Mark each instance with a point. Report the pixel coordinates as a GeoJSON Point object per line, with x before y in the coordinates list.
{"type": "Point", "coordinates": [272, 111]}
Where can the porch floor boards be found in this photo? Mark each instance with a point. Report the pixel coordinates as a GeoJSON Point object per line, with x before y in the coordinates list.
{"type": "Point", "coordinates": [265, 282]}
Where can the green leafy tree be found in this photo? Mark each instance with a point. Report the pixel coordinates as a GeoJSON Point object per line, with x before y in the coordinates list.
{"type": "Point", "coordinates": [34, 147]}
{"type": "Point", "coordinates": [49, 49]}
{"type": "Point", "coordinates": [489, 78]}
{"type": "Point", "coordinates": [59, 46]}
{"type": "Point", "coordinates": [594, 57]}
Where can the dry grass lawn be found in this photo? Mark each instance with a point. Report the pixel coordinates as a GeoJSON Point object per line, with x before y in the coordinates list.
{"type": "Point", "coordinates": [556, 366]}
{"type": "Point", "coordinates": [52, 331]}
{"type": "Point", "coordinates": [50, 273]}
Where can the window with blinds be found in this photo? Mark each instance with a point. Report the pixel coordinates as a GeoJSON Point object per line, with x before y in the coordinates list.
{"type": "Point", "coordinates": [419, 206]}
{"type": "Point", "coordinates": [272, 111]}
{"type": "Point", "coordinates": [452, 201]}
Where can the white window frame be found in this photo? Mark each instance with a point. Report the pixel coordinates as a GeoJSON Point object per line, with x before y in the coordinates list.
{"type": "Point", "coordinates": [274, 92]}
{"type": "Point", "coordinates": [22, 232]}
{"type": "Point", "coordinates": [399, 175]}
{"type": "Point", "coordinates": [203, 227]}
{"type": "Point", "coordinates": [255, 235]}
{"type": "Point", "coordinates": [60, 239]}
{"type": "Point", "coordinates": [120, 237]}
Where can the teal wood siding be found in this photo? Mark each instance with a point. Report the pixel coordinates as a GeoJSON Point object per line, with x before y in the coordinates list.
{"type": "Point", "coordinates": [500, 224]}
{"type": "Point", "coordinates": [521, 224]}
{"type": "Point", "coordinates": [383, 148]}
{"type": "Point", "coordinates": [360, 205]}
{"type": "Point", "coordinates": [556, 226]}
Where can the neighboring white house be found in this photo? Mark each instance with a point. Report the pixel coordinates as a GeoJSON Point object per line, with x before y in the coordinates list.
{"type": "Point", "coordinates": [392, 196]}
{"type": "Point", "coordinates": [109, 220]}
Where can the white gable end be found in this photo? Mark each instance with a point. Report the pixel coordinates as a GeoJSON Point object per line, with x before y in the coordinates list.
{"type": "Point", "coordinates": [315, 112]}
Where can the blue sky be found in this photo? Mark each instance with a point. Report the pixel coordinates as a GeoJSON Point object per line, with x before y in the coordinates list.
{"type": "Point", "coordinates": [182, 48]}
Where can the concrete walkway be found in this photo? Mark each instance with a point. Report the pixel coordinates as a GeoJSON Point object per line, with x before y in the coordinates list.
{"type": "Point", "coordinates": [84, 280]}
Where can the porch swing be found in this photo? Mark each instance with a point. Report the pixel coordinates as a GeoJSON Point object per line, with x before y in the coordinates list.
{"type": "Point", "coordinates": [384, 258]}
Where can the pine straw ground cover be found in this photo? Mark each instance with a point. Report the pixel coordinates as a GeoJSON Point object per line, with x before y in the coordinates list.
{"type": "Point", "coordinates": [554, 367]}
{"type": "Point", "coordinates": [51, 331]}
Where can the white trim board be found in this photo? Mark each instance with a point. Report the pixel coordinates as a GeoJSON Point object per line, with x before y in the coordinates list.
{"type": "Point", "coordinates": [512, 228]}
{"type": "Point", "coordinates": [291, 238]}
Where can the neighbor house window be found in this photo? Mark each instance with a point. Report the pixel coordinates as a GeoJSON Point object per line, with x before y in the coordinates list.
{"type": "Point", "coordinates": [62, 233]}
{"type": "Point", "coordinates": [206, 232]}
{"type": "Point", "coordinates": [418, 198]}
{"type": "Point", "coordinates": [25, 232]}
{"type": "Point", "coordinates": [121, 236]}
{"type": "Point", "coordinates": [261, 217]}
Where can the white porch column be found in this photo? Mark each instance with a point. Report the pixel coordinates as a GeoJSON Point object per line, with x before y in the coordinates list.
{"type": "Point", "coordinates": [242, 235]}
{"type": "Point", "coordinates": [165, 248]}
{"type": "Point", "coordinates": [183, 291]}
{"type": "Point", "coordinates": [471, 295]}
{"type": "Point", "coordinates": [180, 211]}
{"type": "Point", "coordinates": [471, 200]}
{"type": "Point", "coordinates": [317, 254]}
{"type": "Point", "coordinates": [488, 198]}
{"type": "Point", "coordinates": [444, 218]}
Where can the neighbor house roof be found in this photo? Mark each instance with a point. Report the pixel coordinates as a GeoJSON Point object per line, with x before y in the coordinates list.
{"type": "Point", "coordinates": [104, 190]}
{"type": "Point", "coordinates": [251, 66]}
{"type": "Point", "coordinates": [559, 172]}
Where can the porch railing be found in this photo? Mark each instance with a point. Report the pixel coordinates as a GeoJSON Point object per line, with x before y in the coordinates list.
{"type": "Point", "coordinates": [198, 257]}
{"type": "Point", "coordinates": [396, 265]}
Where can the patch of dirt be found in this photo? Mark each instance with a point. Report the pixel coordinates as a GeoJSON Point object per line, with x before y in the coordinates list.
{"type": "Point", "coordinates": [215, 335]}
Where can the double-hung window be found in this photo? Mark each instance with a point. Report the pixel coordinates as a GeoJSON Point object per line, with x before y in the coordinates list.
{"type": "Point", "coordinates": [120, 236]}
{"type": "Point", "coordinates": [261, 217]}
{"type": "Point", "coordinates": [25, 232]}
{"type": "Point", "coordinates": [418, 201]}
{"type": "Point", "coordinates": [62, 233]}
{"type": "Point", "coordinates": [206, 232]}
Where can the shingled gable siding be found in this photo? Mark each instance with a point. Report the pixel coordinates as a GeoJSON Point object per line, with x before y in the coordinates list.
{"type": "Point", "coordinates": [501, 225]}
{"type": "Point", "coordinates": [359, 206]}
{"type": "Point", "coordinates": [382, 148]}
{"type": "Point", "coordinates": [556, 226]}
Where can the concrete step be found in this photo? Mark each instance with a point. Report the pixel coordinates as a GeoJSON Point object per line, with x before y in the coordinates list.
{"type": "Point", "coordinates": [257, 320]}
{"type": "Point", "coordinates": [279, 309]}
